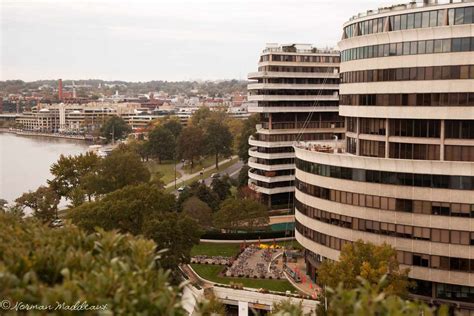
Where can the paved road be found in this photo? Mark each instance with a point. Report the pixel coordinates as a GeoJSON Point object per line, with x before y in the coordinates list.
{"type": "Point", "coordinates": [232, 171]}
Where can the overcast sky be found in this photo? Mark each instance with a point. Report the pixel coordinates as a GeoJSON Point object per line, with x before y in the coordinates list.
{"type": "Point", "coordinates": [162, 39]}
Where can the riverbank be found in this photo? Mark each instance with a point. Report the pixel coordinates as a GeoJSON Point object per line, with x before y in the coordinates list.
{"type": "Point", "coordinates": [36, 134]}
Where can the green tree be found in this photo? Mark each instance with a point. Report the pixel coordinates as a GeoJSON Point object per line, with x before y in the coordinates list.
{"type": "Point", "coordinates": [287, 308]}
{"type": "Point", "coordinates": [161, 143]}
{"type": "Point", "coordinates": [200, 117]}
{"type": "Point", "coordinates": [243, 179]}
{"type": "Point", "coordinates": [191, 144]}
{"type": "Point", "coordinates": [173, 124]}
{"type": "Point", "coordinates": [117, 170]}
{"type": "Point", "coordinates": [68, 173]}
{"type": "Point", "coordinates": [210, 305]}
{"type": "Point", "coordinates": [248, 130]}
{"type": "Point", "coordinates": [368, 261]}
{"type": "Point", "coordinates": [44, 203]}
{"type": "Point", "coordinates": [43, 266]}
{"type": "Point", "coordinates": [221, 187]}
{"type": "Point", "coordinates": [142, 209]}
{"type": "Point", "coordinates": [115, 127]}
{"type": "Point", "coordinates": [202, 192]}
{"type": "Point", "coordinates": [196, 209]}
{"type": "Point", "coordinates": [241, 214]}
{"type": "Point", "coordinates": [371, 299]}
{"type": "Point", "coordinates": [218, 140]}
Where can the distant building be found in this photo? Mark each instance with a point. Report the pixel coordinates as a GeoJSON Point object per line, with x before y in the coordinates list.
{"type": "Point", "coordinates": [296, 95]}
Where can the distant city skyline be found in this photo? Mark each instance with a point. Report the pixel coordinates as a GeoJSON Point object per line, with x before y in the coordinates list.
{"type": "Point", "coordinates": [159, 40]}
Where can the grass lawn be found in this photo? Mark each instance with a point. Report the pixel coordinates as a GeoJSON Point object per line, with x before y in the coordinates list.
{"type": "Point", "coordinates": [215, 249]}
{"type": "Point", "coordinates": [211, 273]}
{"type": "Point", "coordinates": [166, 168]}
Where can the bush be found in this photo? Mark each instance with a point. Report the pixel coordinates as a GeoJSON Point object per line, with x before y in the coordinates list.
{"type": "Point", "coordinates": [41, 265]}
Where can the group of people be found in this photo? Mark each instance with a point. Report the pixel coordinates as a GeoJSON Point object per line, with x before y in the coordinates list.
{"type": "Point", "coordinates": [220, 260]}
{"type": "Point", "coordinates": [253, 262]}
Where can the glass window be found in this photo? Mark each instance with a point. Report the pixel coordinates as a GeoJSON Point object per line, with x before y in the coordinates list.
{"type": "Point", "coordinates": [421, 47]}
{"type": "Point", "coordinates": [417, 20]}
{"type": "Point", "coordinates": [403, 22]}
{"type": "Point", "coordinates": [429, 46]}
{"type": "Point", "coordinates": [433, 18]}
{"type": "Point", "coordinates": [459, 16]}
{"type": "Point", "coordinates": [426, 19]}
{"type": "Point", "coordinates": [456, 45]}
{"type": "Point", "coordinates": [410, 21]}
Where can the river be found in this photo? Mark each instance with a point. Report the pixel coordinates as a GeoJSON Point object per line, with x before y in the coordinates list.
{"type": "Point", "coordinates": [25, 161]}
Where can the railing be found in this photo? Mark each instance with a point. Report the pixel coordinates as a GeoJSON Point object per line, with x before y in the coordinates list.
{"type": "Point", "coordinates": [329, 147]}
{"type": "Point", "coordinates": [410, 5]}
{"type": "Point", "coordinates": [292, 125]}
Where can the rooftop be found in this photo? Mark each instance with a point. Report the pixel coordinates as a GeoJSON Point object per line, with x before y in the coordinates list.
{"type": "Point", "coordinates": [410, 5]}
{"type": "Point", "coordinates": [297, 48]}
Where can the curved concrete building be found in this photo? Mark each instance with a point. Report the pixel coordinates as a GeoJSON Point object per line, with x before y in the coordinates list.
{"type": "Point", "coordinates": [296, 95]}
{"type": "Point", "coordinates": [406, 174]}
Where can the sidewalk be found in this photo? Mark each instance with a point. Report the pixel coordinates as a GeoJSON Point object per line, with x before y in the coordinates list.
{"type": "Point", "coordinates": [185, 177]}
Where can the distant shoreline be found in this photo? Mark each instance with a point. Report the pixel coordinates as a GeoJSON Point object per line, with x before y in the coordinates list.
{"type": "Point", "coordinates": [34, 134]}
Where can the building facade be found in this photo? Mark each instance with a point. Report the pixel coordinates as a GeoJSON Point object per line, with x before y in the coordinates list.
{"type": "Point", "coordinates": [406, 176]}
{"type": "Point", "coordinates": [295, 92]}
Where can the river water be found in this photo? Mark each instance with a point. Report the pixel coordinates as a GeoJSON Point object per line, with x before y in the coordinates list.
{"type": "Point", "coordinates": [25, 161]}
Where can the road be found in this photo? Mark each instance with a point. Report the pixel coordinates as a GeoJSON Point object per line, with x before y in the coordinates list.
{"type": "Point", "coordinates": [232, 171]}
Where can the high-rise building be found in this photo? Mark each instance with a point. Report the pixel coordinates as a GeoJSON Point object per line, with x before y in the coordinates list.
{"type": "Point", "coordinates": [406, 177]}
{"type": "Point", "coordinates": [296, 96]}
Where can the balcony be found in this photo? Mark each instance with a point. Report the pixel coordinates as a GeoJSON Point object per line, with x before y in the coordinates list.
{"type": "Point", "coordinates": [270, 179]}
{"type": "Point", "coordinates": [334, 97]}
{"type": "Point", "coordinates": [254, 164]}
{"type": "Point", "coordinates": [254, 153]}
{"type": "Point", "coordinates": [267, 144]}
{"type": "Point", "coordinates": [268, 191]}
{"type": "Point", "coordinates": [294, 109]}
{"type": "Point", "coordinates": [291, 74]}
{"type": "Point", "coordinates": [293, 86]}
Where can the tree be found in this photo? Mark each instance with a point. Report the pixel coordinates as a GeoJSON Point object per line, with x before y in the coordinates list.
{"type": "Point", "coordinates": [196, 209]}
{"type": "Point", "coordinates": [43, 266]}
{"type": "Point", "coordinates": [161, 143]}
{"type": "Point", "coordinates": [371, 299]}
{"type": "Point", "coordinates": [69, 172]}
{"type": "Point", "coordinates": [44, 203]}
{"type": "Point", "coordinates": [287, 308]}
{"type": "Point", "coordinates": [173, 124]}
{"type": "Point", "coordinates": [368, 261]}
{"type": "Point", "coordinates": [241, 214]}
{"type": "Point", "coordinates": [236, 128]}
{"type": "Point", "coordinates": [202, 192]}
{"type": "Point", "coordinates": [191, 144]}
{"type": "Point", "coordinates": [221, 187]}
{"type": "Point", "coordinates": [243, 179]}
{"type": "Point", "coordinates": [142, 209]}
{"type": "Point", "coordinates": [117, 170]}
{"type": "Point", "coordinates": [210, 305]}
{"type": "Point", "coordinates": [115, 127]}
{"type": "Point", "coordinates": [199, 117]}
{"type": "Point", "coordinates": [218, 140]}
{"type": "Point", "coordinates": [248, 130]}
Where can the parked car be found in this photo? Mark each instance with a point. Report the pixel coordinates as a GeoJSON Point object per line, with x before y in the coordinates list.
{"type": "Point", "coordinates": [181, 189]}
{"type": "Point", "coordinates": [215, 175]}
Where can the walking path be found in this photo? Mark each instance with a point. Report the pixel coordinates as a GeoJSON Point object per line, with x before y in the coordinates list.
{"type": "Point", "coordinates": [185, 177]}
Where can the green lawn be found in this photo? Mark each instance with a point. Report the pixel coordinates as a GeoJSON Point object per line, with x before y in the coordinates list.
{"type": "Point", "coordinates": [211, 273]}
{"type": "Point", "coordinates": [166, 168]}
{"type": "Point", "coordinates": [215, 249]}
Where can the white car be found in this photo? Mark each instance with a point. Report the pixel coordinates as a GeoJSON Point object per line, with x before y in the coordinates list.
{"type": "Point", "coordinates": [180, 189]}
